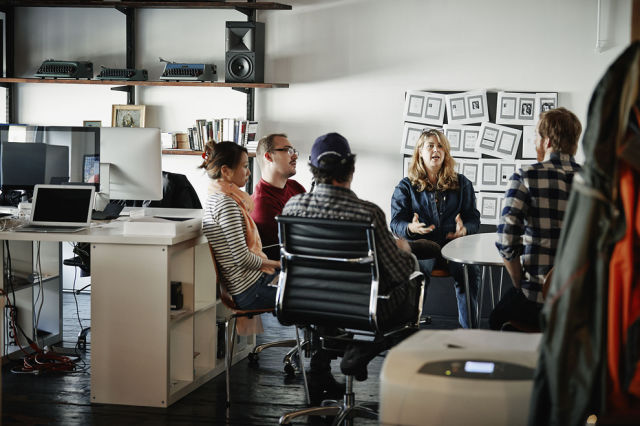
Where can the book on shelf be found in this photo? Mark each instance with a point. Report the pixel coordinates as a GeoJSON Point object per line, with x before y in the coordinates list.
{"type": "Point", "coordinates": [251, 132]}
{"type": "Point", "coordinates": [242, 132]}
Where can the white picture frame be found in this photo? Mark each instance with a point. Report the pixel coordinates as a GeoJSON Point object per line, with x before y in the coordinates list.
{"type": "Point", "coordinates": [495, 174]}
{"type": "Point", "coordinates": [424, 107]}
{"type": "Point", "coordinates": [470, 168]}
{"type": "Point", "coordinates": [467, 107]}
{"type": "Point", "coordinates": [545, 101]}
{"type": "Point", "coordinates": [489, 169]}
{"type": "Point", "coordinates": [514, 108]}
{"type": "Point", "coordinates": [488, 204]}
{"type": "Point", "coordinates": [498, 141]}
{"type": "Point", "coordinates": [529, 142]}
{"type": "Point", "coordinates": [462, 140]}
{"type": "Point", "coordinates": [410, 135]}
{"type": "Point", "coordinates": [505, 172]}
{"type": "Point", "coordinates": [406, 160]}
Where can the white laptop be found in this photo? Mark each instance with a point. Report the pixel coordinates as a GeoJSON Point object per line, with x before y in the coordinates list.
{"type": "Point", "coordinates": [60, 208]}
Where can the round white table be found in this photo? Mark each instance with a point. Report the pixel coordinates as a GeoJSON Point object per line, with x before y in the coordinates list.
{"type": "Point", "coordinates": [476, 249]}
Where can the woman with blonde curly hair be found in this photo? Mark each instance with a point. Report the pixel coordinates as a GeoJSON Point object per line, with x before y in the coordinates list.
{"type": "Point", "coordinates": [436, 203]}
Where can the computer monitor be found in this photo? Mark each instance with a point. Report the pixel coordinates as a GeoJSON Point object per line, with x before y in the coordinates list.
{"type": "Point", "coordinates": [81, 142]}
{"type": "Point", "coordinates": [131, 157]}
{"type": "Point", "coordinates": [32, 155]}
{"type": "Point", "coordinates": [24, 165]}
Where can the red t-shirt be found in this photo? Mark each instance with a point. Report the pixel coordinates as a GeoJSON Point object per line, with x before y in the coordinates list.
{"type": "Point", "coordinates": [268, 203]}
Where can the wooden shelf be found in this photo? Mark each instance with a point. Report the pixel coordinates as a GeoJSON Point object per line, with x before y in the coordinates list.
{"type": "Point", "coordinates": [267, 5]}
{"type": "Point", "coordinates": [144, 83]}
{"type": "Point", "coordinates": [190, 152]}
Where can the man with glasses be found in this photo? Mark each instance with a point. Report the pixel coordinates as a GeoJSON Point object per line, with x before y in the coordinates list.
{"type": "Point", "coordinates": [277, 159]}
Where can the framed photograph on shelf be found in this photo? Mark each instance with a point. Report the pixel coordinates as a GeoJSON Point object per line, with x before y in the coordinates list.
{"type": "Point", "coordinates": [127, 115]}
{"type": "Point", "coordinates": [92, 123]}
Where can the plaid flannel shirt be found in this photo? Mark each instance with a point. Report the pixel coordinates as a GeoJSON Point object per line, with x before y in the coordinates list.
{"type": "Point", "coordinates": [395, 265]}
{"type": "Point", "coordinates": [532, 218]}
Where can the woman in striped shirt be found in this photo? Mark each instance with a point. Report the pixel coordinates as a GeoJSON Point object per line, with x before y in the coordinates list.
{"type": "Point", "coordinates": [231, 232]}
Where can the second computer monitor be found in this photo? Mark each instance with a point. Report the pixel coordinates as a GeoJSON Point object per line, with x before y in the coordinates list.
{"type": "Point", "coordinates": [133, 157]}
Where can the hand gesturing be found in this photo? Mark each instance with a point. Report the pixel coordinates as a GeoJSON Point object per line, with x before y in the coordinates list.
{"type": "Point", "coordinates": [461, 231]}
{"type": "Point", "coordinates": [417, 227]}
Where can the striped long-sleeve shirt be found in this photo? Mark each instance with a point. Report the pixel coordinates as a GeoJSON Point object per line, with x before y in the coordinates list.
{"type": "Point", "coordinates": [225, 229]}
{"type": "Point", "coordinates": [532, 218]}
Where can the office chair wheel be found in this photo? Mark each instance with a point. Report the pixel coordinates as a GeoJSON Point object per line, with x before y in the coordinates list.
{"type": "Point", "coordinates": [289, 370]}
{"type": "Point", "coordinates": [253, 358]}
{"type": "Point", "coordinates": [292, 365]}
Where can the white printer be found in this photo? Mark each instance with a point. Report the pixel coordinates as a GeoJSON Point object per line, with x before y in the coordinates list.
{"type": "Point", "coordinates": [459, 377]}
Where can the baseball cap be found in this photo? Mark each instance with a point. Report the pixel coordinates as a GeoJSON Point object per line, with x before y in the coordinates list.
{"type": "Point", "coordinates": [331, 145]}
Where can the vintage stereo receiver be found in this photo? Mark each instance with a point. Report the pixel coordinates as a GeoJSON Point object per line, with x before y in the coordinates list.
{"type": "Point", "coordinates": [127, 74]}
{"type": "Point", "coordinates": [189, 72]}
{"type": "Point", "coordinates": [65, 69]}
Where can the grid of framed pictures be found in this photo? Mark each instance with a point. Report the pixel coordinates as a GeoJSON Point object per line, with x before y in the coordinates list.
{"type": "Point", "coordinates": [491, 135]}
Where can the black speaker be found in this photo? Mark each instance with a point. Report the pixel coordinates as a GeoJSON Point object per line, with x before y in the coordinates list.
{"type": "Point", "coordinates": [244, 61]}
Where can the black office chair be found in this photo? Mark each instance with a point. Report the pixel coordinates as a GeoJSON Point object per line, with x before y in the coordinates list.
{"type": "Point", "coordinates": [230, 328]}
{"type": "Point", "coordinates": [330, 278]}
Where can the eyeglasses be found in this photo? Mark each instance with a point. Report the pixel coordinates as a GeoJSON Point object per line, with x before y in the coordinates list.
{"type": "Point", "coordinates": [431, 146]}
{"type": "Point", "coordinates": [289, 150]}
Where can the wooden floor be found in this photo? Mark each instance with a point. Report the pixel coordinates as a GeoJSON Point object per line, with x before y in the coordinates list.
{"type": "Point", "coordinates": [260, 395]}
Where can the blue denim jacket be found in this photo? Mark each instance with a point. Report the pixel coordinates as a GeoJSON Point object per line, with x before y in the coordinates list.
{"type": "Point", "coordinates": [406, 201]}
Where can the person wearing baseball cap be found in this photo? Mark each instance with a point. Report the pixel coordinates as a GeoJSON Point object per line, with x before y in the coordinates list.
{"type": "Point", "coordinates": [333, 164]}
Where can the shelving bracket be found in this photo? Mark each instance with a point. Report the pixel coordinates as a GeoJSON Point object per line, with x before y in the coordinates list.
{"type": "Point", "coordinates": [244, 90]}
{"type": "Point", "coordinates": [130, 90]}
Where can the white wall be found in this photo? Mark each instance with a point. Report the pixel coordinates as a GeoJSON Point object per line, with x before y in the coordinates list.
{"type": "Point", "coordinates": [348, 64]}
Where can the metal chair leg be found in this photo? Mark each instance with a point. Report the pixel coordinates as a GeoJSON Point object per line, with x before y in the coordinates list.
{"type": "Point", "coordinates": [304, 373]}
{"type": "Point", "coordinates": [493, 296]}
{"type": "Point", "coordinates": [470, 313]}
{"type": "Point", "coordinates": [279, 344]}
{"type": "Point", "coordinates": [479, 297]}
{"type": "Point", "coordinates": [312, 411]}
{"type": "Point", "coordinates": [228, 359]}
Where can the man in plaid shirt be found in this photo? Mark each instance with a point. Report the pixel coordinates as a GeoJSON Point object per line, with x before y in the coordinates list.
{"type": "Point", "coordinates": [332, 165]}
{"type": "Point", "coordinates": [531, 220]}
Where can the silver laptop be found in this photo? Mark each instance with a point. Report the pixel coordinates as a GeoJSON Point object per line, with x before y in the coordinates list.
{"type": "Point", "coordinates": [60, 208]}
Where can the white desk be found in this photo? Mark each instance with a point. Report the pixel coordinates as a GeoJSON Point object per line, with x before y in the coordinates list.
{"type": "Point", "coordinates": [142, 353]}
{"type": "Point", "coordinates": [476, 249]}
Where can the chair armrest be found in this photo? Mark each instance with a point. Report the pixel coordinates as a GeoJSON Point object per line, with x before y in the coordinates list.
{"type": "Point", "coordinates": [414, 275]}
